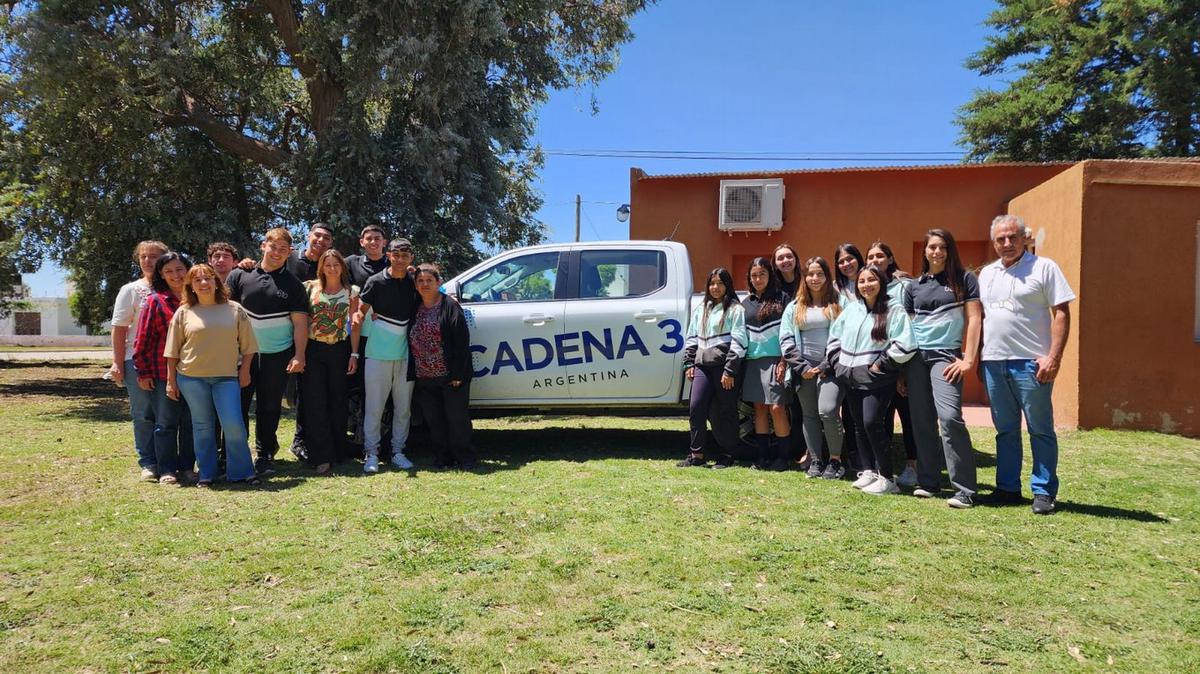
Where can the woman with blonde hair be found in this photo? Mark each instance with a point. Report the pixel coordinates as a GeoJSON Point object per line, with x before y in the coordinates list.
{"type": "Point", "coordinates": [331, 358]}
{"type": "Point", "coordinates": [208, 335]}
{"type": "Point", "coordinates": [803, 335]}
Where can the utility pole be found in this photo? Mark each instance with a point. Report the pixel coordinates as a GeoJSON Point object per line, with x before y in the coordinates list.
{"type": "Point", "coordinates": [578, 201]}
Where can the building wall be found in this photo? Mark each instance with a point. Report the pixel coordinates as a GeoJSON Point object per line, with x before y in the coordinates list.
{"type": "Point", "coordinates": [1054, 211]}
{"type": "Point", "coordinates": [54, 317]}
{"type": "Point", "coordinates": [823, 209]}
{"type": "Point", "coordinates": [1140, 269]}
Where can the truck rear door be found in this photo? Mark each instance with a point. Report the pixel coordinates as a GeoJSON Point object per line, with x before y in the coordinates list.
{"type": "Point", "coordinates": [625, 325]}
{"type": "Point", "coordinates": [514, 311]}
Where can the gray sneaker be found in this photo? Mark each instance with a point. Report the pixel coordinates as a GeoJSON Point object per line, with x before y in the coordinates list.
{"type": "Point", "coordinates": [960, 500]}
{"type": "Point", "coordinates": [834, 470]}
{"type": "Point", "coordinates": [401, 462]}
{"type": "Point", "coordinates": [815, 468]}
{"type": "Point", "coordinates": [1043, 504]}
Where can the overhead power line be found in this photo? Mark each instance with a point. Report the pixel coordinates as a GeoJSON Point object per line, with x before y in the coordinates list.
{"type": "Point", "coordinates": [759, 156]}
{"type": "Point", "coordinates": [763, 155]}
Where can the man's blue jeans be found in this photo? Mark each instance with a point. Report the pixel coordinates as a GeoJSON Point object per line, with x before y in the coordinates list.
{"type": "Point", "coordinates": [209, 399]}
{"type": "Point", "coordinates": [141, 408]}
{"type": "Point", "coordinates": [1014, 389]}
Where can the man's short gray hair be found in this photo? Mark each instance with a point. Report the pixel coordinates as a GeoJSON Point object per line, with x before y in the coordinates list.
{"type": "Point", "coordinates": [1007, 219]}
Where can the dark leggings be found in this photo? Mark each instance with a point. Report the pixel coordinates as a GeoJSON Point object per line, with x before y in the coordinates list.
{"type": "Point", "coordinates": [710, 402]}
{"type": "Point", "coordinates": [798, 444]}
{"type": "Point", "coordinates": [870, 409]}
{"type": "Point", "coordinates": [900, 405]}
{"type": "Point", "coordinates": [851, 454]}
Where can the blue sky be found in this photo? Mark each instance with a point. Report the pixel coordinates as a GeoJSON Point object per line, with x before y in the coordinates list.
{"type": "Point", "coordinates": [751, 76]}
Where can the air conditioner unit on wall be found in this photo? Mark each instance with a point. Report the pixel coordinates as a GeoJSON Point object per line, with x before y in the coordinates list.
{"type": "Point", "coordinates": [751, 205]}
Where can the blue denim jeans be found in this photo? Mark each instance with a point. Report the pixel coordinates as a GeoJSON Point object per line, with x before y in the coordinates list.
{"type": "Point", "coordinates": [210, 399]}
{"type": "Point", "coordinates": [173, 440]}
{"type": "Point", "coordinates": [141, 409]}
{"type": "Point", "coordinates": [1013, 390]}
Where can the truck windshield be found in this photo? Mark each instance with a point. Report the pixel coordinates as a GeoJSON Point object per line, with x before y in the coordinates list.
{"type": "Point", "coordinates": [525, 278]}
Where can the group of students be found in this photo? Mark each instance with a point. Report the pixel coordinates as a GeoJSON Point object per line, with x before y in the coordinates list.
{"type": "Point", "coordinates": [197, 345]}
{"type": "Point", "coordinates": [827, 356]}
{"type": "Point", "coordinates": [841, 351]}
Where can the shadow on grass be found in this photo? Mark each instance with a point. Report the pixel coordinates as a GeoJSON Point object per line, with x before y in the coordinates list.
{"type": "Point", "coordinates": [59, 365]}
{"type": "Point", "coordinates": [1090, 509]}
{"type": "Point", "coordinates": [92, 399]}
{"type": "Point", "coordinates": [510, 449]}
{"type": "Point", "coordinates": [1109, 512]}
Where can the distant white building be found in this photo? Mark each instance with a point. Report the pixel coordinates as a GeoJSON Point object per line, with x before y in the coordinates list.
{"type": "Point", "coordinates": [39, 320]}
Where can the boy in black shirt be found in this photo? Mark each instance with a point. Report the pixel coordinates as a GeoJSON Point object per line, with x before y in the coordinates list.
{"type": "Point", "coordinates": [278, 309]}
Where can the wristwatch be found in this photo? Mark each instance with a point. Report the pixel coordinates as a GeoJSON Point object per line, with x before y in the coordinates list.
{"type": "Point", "coordinates": [354, 355]}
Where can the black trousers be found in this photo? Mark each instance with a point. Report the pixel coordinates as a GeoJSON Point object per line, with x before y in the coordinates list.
{"type": "Point", "coordinates": [268, 379]}
{"type": "Point", "coordinates": [798, 444]}
{"type": "Point", "coordinates": [900, 406]}
{"type": "Point", "coordinates": [323, 387]}
{"type": "Point", "coordinates": [851, 455]}
{"type": "Point", "coordinates": [445, 409]}
{"type": "Point", "coordinates": [711, 403]}
{"type": "Point", "coordinates": [870, 409]}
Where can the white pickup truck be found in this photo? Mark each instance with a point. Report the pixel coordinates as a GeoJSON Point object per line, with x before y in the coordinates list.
{"type": "Point", "coordinates": [578, 326]}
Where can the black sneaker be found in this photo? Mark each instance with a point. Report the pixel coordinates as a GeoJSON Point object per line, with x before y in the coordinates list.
{"type": "Point", "coordinates": [1043, 504]}
{"type": "Point", "coordinates": [1004, 497]}
{"type": "Point", "coordinates": [300, 450]}
{"type": "Point", "coordinates": [815, 468]}
{"type": "Point", "coordinates": [834, 471]}
{"type": "Point", "coordinates": [693, 461]}
{"type": "Point", "coordinates": [780, 464]}
{"type": "Point", "coordinates": [724, 461]}
{"type": "Point", "coordinates": [264, 465]}
{"type": "Point", "coordinates": [960, 500]}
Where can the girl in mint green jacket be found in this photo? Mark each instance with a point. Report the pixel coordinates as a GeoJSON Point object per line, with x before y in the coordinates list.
{"type": "Point", "coordinates": [712, 359]}
{"type": "Point", "coordinates": [869, 344]}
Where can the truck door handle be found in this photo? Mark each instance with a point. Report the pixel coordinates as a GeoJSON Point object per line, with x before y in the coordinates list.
{"type": "Point", "coordinates": [650, 315]}
{"type": "Point", "coordinates": [537, 319]}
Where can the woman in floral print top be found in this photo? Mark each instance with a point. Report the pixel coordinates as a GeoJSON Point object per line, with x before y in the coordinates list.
{"type": "Point", "coordinates": [332, 356]}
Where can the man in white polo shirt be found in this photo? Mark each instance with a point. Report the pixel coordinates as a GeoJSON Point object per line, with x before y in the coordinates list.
{"type": "Point", "coordinates": [1025, 326]}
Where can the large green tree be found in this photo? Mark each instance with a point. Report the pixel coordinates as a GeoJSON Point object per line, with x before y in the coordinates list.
{"type": "Point", "coordinates": [1087, 79]}
{"type": "Point", "coordinates": [193, 120]}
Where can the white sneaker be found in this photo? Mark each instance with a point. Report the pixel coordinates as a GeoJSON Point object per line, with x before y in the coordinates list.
{"type": "Point", "coordinates": [922, 492]}
{"type": "Point", "coordinates": [907, 478]}
{"type": "Point", "coordinates": [401, 462]}
{"type": "Point", "coordinates": [881, 486]}
{"type": "Point", "coordinates": [865, 478]}
{"type": "Point", "coordinates": [148, 475]}
{"type": "Point", "coordinates": [371, 464]}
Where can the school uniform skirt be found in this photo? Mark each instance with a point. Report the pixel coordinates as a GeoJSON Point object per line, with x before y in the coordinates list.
{"type": "Point", "coordinates": [759, 385]}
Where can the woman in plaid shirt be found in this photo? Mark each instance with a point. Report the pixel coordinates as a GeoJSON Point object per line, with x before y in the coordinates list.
{"type": "Point", "coordinates": [172, 423]}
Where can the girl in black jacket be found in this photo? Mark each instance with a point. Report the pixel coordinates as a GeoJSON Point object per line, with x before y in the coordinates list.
{"type": "Point", "coordinates": [439, 346]}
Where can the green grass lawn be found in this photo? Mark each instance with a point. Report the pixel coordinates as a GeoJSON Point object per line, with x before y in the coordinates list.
{"type": "Point", "coordinates": [578, 547]}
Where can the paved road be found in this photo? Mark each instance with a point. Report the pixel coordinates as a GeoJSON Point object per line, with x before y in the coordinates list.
{"type": "Point", "coordinates": [43, 356]}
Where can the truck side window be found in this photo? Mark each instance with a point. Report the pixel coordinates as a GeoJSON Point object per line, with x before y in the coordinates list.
{"type": "Point", "coordinates": [621, 273]}
{"type": "Point", "coordinates": [520, 279]}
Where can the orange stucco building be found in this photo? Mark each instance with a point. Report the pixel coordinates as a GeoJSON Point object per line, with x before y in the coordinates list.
{"type": "Point", "coordinates": [1125, 233]}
